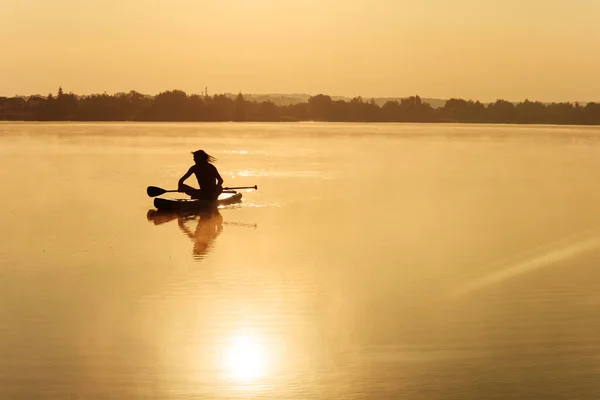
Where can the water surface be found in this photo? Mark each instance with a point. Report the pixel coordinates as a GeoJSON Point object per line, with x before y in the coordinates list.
{"type": "Point", "coordinates": [375, 261]}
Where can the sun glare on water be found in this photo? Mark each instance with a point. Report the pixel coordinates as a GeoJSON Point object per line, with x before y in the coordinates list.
{"type": "Point", "coordinates": [243, 358]}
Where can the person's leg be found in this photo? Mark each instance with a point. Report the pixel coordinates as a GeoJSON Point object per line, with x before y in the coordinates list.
{"type": "Point", "coordinates": [205, 195]}
{"type": "Point", "coordinates": [210, 195]}
{"type": "Point", "coordinates": [190, 191]}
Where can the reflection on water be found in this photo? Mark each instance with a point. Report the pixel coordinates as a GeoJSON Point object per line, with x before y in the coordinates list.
{"type": "Point", "coordinates": [345, 291]}
{"type": "Point", "coordinates": [243, 358]}
{"type": "Point", "coordinates": [530, 260]}
{"type": "Point", "coordinates": [202, 227]}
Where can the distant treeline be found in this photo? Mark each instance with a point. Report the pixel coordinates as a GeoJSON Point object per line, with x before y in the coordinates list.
{"type": "Point", "coordinates": [176, 105]}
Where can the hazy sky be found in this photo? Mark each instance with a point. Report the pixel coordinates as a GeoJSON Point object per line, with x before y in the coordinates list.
{"type": "Point", "coordinates": [482, 49]}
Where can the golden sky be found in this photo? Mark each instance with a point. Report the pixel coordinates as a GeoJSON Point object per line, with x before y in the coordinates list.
{"type": "Point", "coordinates": [481, 49]}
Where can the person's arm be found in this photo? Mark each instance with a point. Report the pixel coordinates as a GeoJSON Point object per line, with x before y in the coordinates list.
{"type": "Point", "coordinates": [184, 177]}
{"type": "Point", "coordinates": [184, 228]}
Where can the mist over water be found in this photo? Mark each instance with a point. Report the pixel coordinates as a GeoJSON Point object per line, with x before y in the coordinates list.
{"type": "Point", "coordinates": [375, 261]}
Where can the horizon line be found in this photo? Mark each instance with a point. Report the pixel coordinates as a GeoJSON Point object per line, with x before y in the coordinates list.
{"type": "Point", "coordinates": [309, 95]}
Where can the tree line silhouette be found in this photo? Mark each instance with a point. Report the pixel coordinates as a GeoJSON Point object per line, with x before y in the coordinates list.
{"type": "Point", "coordinates": [176, 105]}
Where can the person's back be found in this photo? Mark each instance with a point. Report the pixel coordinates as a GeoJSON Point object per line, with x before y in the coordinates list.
{"type": "Point", "coordinates": [206, 174]}
{"type": "Point", "coordinates": [208, 177]}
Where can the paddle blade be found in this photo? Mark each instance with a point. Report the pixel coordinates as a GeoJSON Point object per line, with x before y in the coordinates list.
{"type": "Point", "coordinates": [154, 191]}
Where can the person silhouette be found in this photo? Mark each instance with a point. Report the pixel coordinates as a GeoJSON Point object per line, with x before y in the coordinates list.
{"type": "Point", "coordinates": [210, 225]}
{"type": "Point", "coordinates": [209, 179]}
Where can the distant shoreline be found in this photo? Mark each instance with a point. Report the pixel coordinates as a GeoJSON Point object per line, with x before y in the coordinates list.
{"type": "Point", "coordinates": [177, 106]}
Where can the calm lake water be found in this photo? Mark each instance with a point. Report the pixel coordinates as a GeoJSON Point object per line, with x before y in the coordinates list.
{"type": "Point", "coordinates": [375, 261]}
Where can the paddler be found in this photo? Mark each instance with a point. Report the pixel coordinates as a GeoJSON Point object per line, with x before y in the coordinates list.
{"type": "Point", "coordinates": [209, 179]}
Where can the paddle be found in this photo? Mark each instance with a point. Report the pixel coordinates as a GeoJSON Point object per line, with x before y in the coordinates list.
{"type": "Point", "coordinates": [154, 191]}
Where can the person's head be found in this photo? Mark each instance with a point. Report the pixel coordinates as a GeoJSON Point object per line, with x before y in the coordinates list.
{"type": "Point", "coordinates": [200, 156]}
